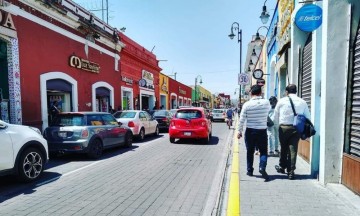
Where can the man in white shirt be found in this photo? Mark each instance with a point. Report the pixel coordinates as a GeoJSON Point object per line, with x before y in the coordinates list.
{"type": "Point", "coordinates": [254, 113]}
{"type": "Point", "coordinates": [289, 137]}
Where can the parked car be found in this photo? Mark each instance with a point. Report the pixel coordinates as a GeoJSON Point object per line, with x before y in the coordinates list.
{"type": "Point", "coordinates": [190, 123]}
{"type": "Point", "coordinates": [140, 123]}
{"type": "Point", "coordinates": [173, 111]}
{"type": "Point", "coordinates": [86, 132]}
{"type": "Point", "coordinates": [23, 151]}
{"type": "Point", "coordinates": [163, 117]}
{"type": "Point", "coordinates": [117, 114]}
{"type": "Point", "coordinates": [219, 114]}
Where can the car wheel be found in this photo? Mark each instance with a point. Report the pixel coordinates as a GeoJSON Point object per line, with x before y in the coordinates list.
{"type": "Point", "coordinates": [96, 149]}
{"type": "Point", "coordinates": [142, 134]}
{"type": "Point", "coordinates": [172, 140]}
{"type": "Point", "coordinates": [128, 139]}
{"type": "Point", "coordinates": [31, 164]}
{"type": "Point", "coordinates": [157, 132]}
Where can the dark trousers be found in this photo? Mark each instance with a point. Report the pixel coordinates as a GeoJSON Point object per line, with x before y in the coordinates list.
{"type": "Point", "coordinates": [256, 138]}
{"type": "Point", "coordinates": [289, 139]}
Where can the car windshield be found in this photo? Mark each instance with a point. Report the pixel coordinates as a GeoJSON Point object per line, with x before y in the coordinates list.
{"type": "Point", "coordinates": [217, 111]}
{"type": "Point", "coordinates": [128, 115]}
{"type": "Point", "coordinates": [160, 113]}
{"type": "Point", "coordinates": [69, 120]}
{"type": "Point", "coordinates": [188, 114]}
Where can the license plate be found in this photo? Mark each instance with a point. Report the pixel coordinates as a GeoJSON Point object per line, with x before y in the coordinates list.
{"type": "Point", "coordinates": [62, 134]}
{"type": "Point", "coordinates": [187, 133]}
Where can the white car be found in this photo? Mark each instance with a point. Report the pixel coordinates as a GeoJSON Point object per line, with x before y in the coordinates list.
{"type": "Point", "coordinates": [140, 123]}
{"type": "Point", "coordinates": [218, 114]}
{"type": "Point", "coordinates": [23, 151]}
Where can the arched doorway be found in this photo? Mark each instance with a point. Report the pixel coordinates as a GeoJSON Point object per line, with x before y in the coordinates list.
{"type": "Point", "coordinates": [57, 86]}
{"type": "Point", "coordinates": [102, 97]}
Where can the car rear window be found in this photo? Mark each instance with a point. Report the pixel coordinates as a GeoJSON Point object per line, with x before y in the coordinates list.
{"type": "Point", "coordinates": [160, 113]}
{"type": "Point", "coordinates": [188, 114]}
{"type": "Point", "coordinates": [117, 114]}
{"type": "Point", "coordinates": [69, 120]}
{"type": "Point", "coordinates": [128, 115]}
{"type": "Point", "coordinates": [217, 111]}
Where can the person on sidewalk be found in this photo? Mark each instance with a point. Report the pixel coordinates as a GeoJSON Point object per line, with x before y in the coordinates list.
{"type": "Point", "coordinates": [255, 112]}
{"type": "Point", "coordinates": [288, 135]}
{"type": "Point", "coordinates": [273, 131]}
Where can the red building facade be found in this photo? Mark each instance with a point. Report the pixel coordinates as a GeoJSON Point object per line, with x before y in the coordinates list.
{"type": "Point", "coordinates": [140, 75]}
{"type": "Point", "coordinates": [49, 56]}
{"type": "Point", "coordinates": [179, 94]}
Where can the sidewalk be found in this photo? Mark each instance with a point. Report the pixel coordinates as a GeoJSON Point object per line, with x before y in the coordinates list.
{"type": "Point", "coordinates": [280, 196]}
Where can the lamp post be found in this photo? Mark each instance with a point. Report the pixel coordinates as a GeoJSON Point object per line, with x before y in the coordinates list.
{"type": "Point", "coordinates": [196, 79]}
{"type": "Point", "coordinates": [235, 26]}
{"type": "Point", "coordinates": [258, 41]}
{"type": "Point", "coordinates": [264, 14]}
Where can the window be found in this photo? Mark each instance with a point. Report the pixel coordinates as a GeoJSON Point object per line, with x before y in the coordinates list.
{"type": "Point", "coordinates": [188, 114]}
{"type": "Point", "coordinates": [93, 120]}
{"type": "Point", "coordinates": [69, 120]}
{"type": "Point", "coordinates": [127, 115]}
{"type": "Point", "coordinates": [109, 120]}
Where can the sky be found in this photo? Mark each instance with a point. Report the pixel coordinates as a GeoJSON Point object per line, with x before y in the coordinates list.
{"type": "Point", "coordinates": [190, 37]}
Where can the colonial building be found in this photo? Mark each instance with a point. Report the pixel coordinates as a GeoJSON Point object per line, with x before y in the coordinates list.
{"type": "Point", "coordinates": [55, 51]}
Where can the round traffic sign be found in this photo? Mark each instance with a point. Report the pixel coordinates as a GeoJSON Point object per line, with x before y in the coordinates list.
{"type": "Point", "coordinates": [243, 79]}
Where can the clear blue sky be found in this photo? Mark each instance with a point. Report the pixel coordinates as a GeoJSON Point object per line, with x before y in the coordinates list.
{"type": "Point", "coordinates": [192, 35]}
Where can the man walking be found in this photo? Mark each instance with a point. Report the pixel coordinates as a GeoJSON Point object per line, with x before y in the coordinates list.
{"type": "Point", "coordinates": [288, 135]}
{"type": "Point", "coordinates": [273, 131]}
{"type": "Point", "coordinates": [255, 113]}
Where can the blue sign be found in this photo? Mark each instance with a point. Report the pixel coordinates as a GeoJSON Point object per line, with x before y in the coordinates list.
{"type": "Point", "coordinates": [308, 18]}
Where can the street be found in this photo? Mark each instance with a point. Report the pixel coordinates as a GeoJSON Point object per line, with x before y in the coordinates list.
{"type": "Point", "coordinates": [153, 177]}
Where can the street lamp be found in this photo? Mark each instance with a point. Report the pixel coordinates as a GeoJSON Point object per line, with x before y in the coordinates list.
{"type": "Point", "coordinates": [196, 79]}
{"type": "Point", "coordinates": [264, 14]}
{"type": "Point", "coordinates": [258, 41]}
{"type": "Point", "coordinates": [235, 26]}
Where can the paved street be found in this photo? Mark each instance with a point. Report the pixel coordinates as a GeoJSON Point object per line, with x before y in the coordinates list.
{"type": "Point", "coordinates": [152, 178]}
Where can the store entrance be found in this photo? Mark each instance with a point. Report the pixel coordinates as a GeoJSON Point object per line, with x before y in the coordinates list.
{"type": "Point", "coordinates": [4, 83]}
{"type": "Point", "coordinates": [59, 94]}
{"type": "Point", "coordinates": [103, 100]}
{"type": "Point", "coordinates": [145, 102]}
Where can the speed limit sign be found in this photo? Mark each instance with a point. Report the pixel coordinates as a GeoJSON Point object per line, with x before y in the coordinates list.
{"type": "Point", "coordinates": [243, 79]}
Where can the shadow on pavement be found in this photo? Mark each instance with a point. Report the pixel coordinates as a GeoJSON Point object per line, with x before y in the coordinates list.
{"type": "Point", "coordinates": [213, 141]}
{"type": "Point", "coordinates": [10, 187]}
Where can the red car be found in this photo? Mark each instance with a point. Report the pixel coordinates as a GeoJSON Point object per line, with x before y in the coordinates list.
{"type": "Point", "coordinates": [190, 123]}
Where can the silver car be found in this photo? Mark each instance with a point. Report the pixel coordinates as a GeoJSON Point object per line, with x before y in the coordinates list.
{"type": "Point", "coordinates": [218, 114]}
{"type": "Point", "coordinates": [140, 123]}
{"type": "Point", "coordinates": [86, 132]}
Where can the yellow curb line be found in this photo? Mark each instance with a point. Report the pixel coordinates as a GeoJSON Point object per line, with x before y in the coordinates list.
{"type": "Point", "coordinates": [233, 207]}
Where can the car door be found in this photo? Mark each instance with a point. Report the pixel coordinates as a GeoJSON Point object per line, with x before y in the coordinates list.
{"type": "Point", "coordinates": [98, 127]}
{"type": "Point", "coordinates": [6, 148]}
{"type": "Point", "coordinates": [152, 123]}
{"type": "Point", "coordinates": [144, 121]}
{"type": "Point", "coordinates": [115, 133]}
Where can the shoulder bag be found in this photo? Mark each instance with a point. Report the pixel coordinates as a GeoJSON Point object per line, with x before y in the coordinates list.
{"type": "Point", "coordinates": [302, 124]}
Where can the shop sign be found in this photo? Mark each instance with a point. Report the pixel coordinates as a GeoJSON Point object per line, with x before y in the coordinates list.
{"type": "Point", "coordinates": [285, 10]}
{"type": "Point", "coordinates": [127, 80]}
{"type": "Point", "coordinates": [142, 83]}
{"type": "Point", "coordinates": [83, 64]}
{"type": "Point", "coordinates": [308, 18]}
{"type": "Point", "coordinates": [182, 91]}
{"type": "Point", "coordinates": [6, 20]}
{"type": "Point", "coordinates": [149, 78]}
{"type": "Point", "coordinates": [260, 82]}
{"type": "Point", "coordinates": [164, 87]}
